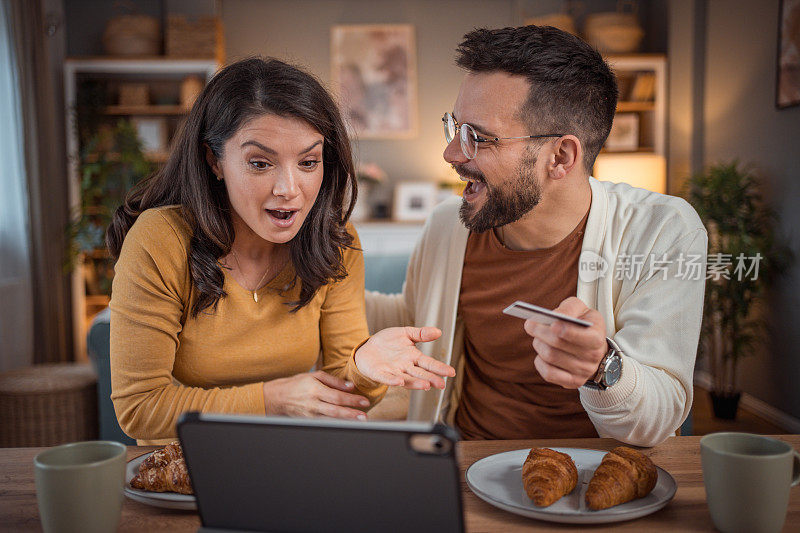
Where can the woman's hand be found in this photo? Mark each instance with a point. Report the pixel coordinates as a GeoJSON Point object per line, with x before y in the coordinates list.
{"type": "Point", "coordinates": [313, 394]}
{"type": "Point", "coordinates": [391, 357]}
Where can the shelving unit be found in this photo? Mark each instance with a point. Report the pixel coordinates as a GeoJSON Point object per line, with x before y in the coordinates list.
{"type": "Point", "coordinates": [158, 69]}
{"type": "Point", "coordinates": [649, 107]}
{"type": "Point", "coordinates": [651, 112]}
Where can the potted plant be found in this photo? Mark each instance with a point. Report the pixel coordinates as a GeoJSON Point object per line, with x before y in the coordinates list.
{"type": "Point", "coordinates": [744, 257]}
{"type": "Point", "coordinates": [111, 162]}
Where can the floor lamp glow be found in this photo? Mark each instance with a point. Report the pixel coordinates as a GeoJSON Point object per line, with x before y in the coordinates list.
{"type": "Point", "coordinates": [647, 171]}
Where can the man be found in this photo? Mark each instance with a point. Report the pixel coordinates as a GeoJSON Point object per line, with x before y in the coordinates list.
{"type": "Point", "coordinates": [532, 113]}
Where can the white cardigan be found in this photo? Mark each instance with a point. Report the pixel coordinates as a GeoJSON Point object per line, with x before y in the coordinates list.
{"type": "Point", "coordinates": [655, 321]}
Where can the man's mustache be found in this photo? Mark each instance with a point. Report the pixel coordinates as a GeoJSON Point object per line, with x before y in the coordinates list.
{"type": "Point", "coordinates": [466, 173]}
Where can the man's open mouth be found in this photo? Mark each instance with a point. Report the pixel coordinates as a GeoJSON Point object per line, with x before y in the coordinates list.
{"type": "Point", "coordinates": [473, 186]}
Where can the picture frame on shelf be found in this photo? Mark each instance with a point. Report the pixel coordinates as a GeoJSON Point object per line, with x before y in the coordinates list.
{"type": "Point", "coordinates": [414, 200]}
{"type": "Point", "coordinates": [152, 133]}
{"type": "Point", "coordinates": [787, 84]}
{"type": "Point", "coordinates": [624, 135]}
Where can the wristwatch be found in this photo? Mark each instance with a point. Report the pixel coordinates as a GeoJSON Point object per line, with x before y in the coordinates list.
{"type": "Point", "coordinates": [610, 370]}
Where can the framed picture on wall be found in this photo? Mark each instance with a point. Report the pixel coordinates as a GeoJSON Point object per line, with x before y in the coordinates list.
{"type": "Point", "coordinates": [787, 86]}
{"type": "Point", "coordinates": [374, 71]}
{"type": "Point", "coordinates": [414, 200]}
{"type": "Point", "coordinates": [624, 135]}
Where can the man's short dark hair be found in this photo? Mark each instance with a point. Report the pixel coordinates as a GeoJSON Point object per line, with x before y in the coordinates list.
{"type": "Point", "coordinates": [573, 90]}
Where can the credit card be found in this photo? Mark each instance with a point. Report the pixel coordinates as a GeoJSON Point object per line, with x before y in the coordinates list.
{"type": "Point", "coordinates": [525, 311]}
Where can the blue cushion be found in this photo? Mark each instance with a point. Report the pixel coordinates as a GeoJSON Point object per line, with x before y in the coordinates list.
{"type": "Point", "coordinates": [98, 345]}
{"type": "Point", "coordinates": [385, 273]}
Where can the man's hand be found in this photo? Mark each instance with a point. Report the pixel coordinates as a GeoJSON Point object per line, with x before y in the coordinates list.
{"type": "Point", "coordinates": [391, 357]}
{"type": "Point", "coordinates": [569, 354]}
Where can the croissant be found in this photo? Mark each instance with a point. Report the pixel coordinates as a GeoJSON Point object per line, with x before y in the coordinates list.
{"type": "Point", "coordinates": [624, 474]}
{"type": "Point", "coordinates": [547, 475]}
{"type": "Point", "coordinates": [164, 471]}
{"type": "Point", "coordinates": [162, 457]}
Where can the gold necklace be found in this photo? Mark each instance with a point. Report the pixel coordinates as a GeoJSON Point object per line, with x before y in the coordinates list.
{"type": "Point", "coordinates": [258, 285]}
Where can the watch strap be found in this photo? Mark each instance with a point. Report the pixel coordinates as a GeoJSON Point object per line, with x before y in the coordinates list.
{"type": "Point", "coordinates": [597, 382]}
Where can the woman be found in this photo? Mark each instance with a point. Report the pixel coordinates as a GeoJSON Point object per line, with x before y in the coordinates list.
{"type": "Point", "coordinates": [236, 267]}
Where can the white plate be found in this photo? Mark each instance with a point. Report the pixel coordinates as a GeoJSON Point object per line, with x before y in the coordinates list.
{"type": "Point", "coordinates": [167, 500]}
{"type": "Point", "coordinates": [497, 480]}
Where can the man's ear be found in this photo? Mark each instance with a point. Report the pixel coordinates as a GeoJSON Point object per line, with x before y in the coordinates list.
{"type": "Point", "coordinates": [566, 156]}
{"type": "Point", "coordinates": [211, 159]}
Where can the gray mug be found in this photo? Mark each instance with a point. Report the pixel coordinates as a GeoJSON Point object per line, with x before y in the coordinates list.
{"type": "Point", "coordinates": [79, 486]}
{"type": "Point", "coordinates": [747, 479]}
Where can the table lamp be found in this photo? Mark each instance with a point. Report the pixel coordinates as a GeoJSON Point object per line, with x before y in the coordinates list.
{"type": "Point", "coordinates": [647, 171]}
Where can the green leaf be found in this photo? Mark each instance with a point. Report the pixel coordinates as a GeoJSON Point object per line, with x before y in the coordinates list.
{"type": "Point", "coordinates": [728, 199]}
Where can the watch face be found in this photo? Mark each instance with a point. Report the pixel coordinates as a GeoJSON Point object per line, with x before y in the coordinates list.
{"type": "Point", "coordinates": [613, 371]}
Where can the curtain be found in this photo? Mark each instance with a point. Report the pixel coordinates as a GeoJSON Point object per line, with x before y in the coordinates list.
{"type": "Point", "coordinates": [38, 46]}
{"type": "Point", "coordinates": [16, 288]}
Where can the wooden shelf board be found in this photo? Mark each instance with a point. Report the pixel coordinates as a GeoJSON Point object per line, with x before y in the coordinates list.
{"type": "Point", "coordinates": [145, 110]}
{"type": "Point", "coordinates": [123, 59]}
{"type": "Point", "coordinates": [627, 106]}
{"type": "Point", "coordinates": [153, 65]}
{"type": "Point", "coordinates": [97, 299]}
{"type": "Point", "coordinates": [634, 55]}
{"type": "Point", "coordinates": [99, 253]}
{"type": "Point", "coordinates": [157, 157]}
{"type": "Point", "coordinates": [153, 157]}
{"type": "Point", "coordinates": [640, 150]}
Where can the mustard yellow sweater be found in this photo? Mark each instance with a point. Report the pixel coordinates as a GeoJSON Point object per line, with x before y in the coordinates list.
{"type": "Point", "coordinates": [164, 362]}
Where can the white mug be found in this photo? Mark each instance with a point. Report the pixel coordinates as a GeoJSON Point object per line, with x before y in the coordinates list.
{"type": "Point", "coordinates": [747, 479]}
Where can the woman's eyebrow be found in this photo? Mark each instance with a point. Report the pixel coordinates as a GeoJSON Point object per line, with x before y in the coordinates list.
{"type": "Point", "coordinates": [312, 146]}
{"type": "Point", "coordinates": [258, 145]}
{"type": "Point", "coordinates": [271, 151]}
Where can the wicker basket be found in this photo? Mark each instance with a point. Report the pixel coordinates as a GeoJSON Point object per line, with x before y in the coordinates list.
{"type": "Point", "coordinates": [562, 21]}
{"type": "Point", "coordinates": [132, 35]}
{"type": "Point", "coordinates": [134, 94]}
{"type": "Point", "coordinates": [614, 32]}
{"type": "Point", "coordinates": [46, 405]}
{"type": "Point", "coordinates": [201, 38]}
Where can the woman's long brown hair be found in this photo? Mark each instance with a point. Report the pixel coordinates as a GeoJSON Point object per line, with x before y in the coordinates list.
{"type": "Point", "coordinates": [238, 93]}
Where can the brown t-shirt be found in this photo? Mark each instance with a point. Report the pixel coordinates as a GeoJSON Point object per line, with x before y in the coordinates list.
{"type": "Point", "coordinates": [503, 396]}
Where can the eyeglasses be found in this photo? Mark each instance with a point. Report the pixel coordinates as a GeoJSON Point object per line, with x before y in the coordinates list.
{"type": "Point", "coordinates": [470, 140]}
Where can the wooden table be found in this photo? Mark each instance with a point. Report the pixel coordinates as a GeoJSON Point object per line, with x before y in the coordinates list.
{"type": "Point", "coordinates": [678, 455]}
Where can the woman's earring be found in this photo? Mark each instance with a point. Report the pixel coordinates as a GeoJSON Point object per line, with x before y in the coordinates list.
{"type": "Point", "coordinates": [219, 178]}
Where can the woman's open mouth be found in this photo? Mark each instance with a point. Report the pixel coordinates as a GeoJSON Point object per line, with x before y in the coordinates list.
{"type": "Point", "coordinates": [282, 218]}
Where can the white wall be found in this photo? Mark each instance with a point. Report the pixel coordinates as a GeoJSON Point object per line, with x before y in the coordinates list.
{"type": "Point", "coordinates": [299, 31]}
{"type": "Point", "coordinates": [741, 121]}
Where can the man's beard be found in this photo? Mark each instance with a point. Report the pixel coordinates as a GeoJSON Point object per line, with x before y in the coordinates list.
{"type": "Point", "coordinates": [506, 205]}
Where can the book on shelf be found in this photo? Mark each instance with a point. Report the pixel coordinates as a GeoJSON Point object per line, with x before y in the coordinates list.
{"type": "Point", "coordinates": [644, 87]}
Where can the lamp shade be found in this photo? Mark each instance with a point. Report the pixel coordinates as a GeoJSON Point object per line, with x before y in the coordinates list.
{"type": "Point", "coordinates": [646, 171]}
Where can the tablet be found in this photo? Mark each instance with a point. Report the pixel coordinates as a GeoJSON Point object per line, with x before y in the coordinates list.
{"type": "Point", "coordinates": [288, 474]}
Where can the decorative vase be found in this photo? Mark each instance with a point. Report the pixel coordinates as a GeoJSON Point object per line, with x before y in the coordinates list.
{"type": "Point", "coordinates": [724, 404]}
{"type": "Point", "coordinates": [363, 209]}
